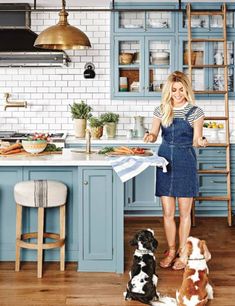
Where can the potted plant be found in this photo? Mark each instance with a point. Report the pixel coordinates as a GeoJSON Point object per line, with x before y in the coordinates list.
{"type": "Point", "coordinates": [96, 125]}
{"type": "Point", "coordinates": [81, 112]}
{"type": "Point", "coordinates": [110, 121]}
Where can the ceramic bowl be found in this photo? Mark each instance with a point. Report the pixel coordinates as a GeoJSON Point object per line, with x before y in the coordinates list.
{"type": "Point", "coordinates": [34, 146]}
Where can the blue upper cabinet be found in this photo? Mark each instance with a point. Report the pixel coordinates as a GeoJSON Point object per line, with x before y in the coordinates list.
{"type": "Point", "coordinates": [204, 23]}
{"type": "Point", "coordinates": [129, 21]}
{"type": "Point", "coordinates": [142, 45]}
{"type": "Point", "coordinates": [148, 45]}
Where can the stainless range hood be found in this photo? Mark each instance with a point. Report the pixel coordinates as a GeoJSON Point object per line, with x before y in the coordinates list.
{"type": "Point", "coordinates": [17, 40]}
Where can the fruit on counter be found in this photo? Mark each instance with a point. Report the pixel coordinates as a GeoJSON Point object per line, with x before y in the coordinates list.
{"type": "Point", "coordinates": [105, 150]}
{"type": "Point", "coordinates": [213, 125]}
{"type": "Point", "coordinates": [138, 150]}
{"type": "Point", "coordinates": [39, 136]}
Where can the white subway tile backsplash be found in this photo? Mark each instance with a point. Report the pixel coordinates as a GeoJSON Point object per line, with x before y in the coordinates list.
{"type": "Point", "coordinates": [50, 90]}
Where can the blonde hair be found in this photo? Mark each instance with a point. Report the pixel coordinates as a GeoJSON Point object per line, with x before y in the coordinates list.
{"type": "Point", "coordinates": [166, 103]}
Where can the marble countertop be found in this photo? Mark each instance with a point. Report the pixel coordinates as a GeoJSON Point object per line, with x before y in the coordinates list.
{"type": "Point", "coordinates": [105, 142]}
{"type": "Point", "coordinates": [122, 140]}
{"type": "Point", "coordinates": [68, 158]}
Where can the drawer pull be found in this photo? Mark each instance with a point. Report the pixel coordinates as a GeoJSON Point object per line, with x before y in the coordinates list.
{"type": "Point", "coordinates": [219, 167]}
{"type": "Point", "coordinates": [218, 182]}
{"type": "Point", "coordinates": [85, 182]}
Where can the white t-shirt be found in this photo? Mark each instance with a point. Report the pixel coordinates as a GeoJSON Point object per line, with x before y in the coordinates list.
{"type": "Point", "coordinates": [180, 112]}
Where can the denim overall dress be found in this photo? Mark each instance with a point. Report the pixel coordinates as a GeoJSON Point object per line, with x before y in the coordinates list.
{"type": "Point", "coordinates": [181, 179]}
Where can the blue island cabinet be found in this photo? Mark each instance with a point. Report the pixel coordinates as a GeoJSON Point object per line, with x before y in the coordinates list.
{"type": "Point", "coordinates": [101, 198]}
{"type": "Point", "coordinates": [9, 176]}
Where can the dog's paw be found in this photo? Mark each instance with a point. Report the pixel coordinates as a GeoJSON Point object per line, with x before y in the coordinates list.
{"type": "Point", "coordinates": [126, 296]}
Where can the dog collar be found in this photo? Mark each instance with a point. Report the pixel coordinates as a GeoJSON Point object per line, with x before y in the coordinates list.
{"type": "Point", "coordinates": [143, 252]}
{"type": "Point", "coordinates": [196, 258]}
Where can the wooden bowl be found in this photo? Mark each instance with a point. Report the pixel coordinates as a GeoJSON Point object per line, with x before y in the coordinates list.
{"type": "Point", "coordinates": [126, 58]}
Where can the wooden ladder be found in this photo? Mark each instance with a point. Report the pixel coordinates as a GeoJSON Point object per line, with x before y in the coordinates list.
{"type": "Point", "coordinates": [224, 93]}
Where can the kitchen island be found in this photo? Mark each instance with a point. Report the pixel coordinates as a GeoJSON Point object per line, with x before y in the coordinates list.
{"type": "Point", "coordinates": [94, 216]}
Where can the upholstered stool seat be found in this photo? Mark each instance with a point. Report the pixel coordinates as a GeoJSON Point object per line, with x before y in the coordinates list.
{"type": "Point", "coordinates": [40, 194]}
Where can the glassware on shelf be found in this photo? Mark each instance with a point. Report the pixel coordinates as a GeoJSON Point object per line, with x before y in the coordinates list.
{"type": "Point", "coordinates": [218, 57]}
{"type": "Point", "coordinates": [123, 84]}
{"type": "Point", "coordinates": [139, 129]}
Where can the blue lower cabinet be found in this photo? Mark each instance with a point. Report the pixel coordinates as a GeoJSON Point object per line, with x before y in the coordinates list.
{"type": "Point", "coordinates": [99, 215]}
{"type": "Point", "coordinates": [139, 194]}
{"type": "Point", "coordinates": [9, 176]}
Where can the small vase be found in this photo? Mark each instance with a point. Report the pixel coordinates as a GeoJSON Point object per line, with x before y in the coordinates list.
{"type": "Point", "coordinates": [80, 128]}
{"type": "Point", "coordinates": [96, 132]}
{"type": "Point", "coordinates": [110, 129]}
{"type": "Point", "coordinates": [214, 138]}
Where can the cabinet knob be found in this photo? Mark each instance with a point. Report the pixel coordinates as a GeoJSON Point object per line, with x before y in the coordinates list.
{"type": "Point", "coordinates": [85, 182]}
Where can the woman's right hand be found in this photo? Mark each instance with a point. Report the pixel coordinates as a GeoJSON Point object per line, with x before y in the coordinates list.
{"type": "Point", "coordinates": [150, 137]}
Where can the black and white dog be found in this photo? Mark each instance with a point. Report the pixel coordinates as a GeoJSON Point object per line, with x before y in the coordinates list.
{"type": "Point", "coordinates": [143, 280]}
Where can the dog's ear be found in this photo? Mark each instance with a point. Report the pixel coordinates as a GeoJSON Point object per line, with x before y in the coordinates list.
{"type": "Point", "coordinates": [134, 241]}
{"type": "Point", "coordinates": [204, 250]}
{"type": "Point", "coordinates": [154, 244]}
{"type": "Point", "coordinates": [186, 251]}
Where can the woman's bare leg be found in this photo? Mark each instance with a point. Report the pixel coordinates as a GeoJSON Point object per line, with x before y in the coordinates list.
{"type": "Point", "coordinates": [185, 205]}
{"type": "Point", "coordinates": [168, 205]}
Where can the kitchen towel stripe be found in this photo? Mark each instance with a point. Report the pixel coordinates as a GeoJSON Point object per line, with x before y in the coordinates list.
{"type": "Point", "coordinates": [128, 167]}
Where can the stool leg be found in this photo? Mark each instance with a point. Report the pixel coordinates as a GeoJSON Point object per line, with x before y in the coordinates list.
{"type": "Point", "coordinates": [40, 240]}
{"type": "Point", "coordinates": [62, 236]}
{"type": "Point", "coordinates": [18, 235]}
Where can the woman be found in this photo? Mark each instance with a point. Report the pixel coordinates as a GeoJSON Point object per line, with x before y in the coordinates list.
{"type": "Point", "coordinates": [181, 123]}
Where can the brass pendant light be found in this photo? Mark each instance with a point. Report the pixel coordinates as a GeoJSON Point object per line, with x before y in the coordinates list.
{"type": "Point", "coordinates": [62, 36]}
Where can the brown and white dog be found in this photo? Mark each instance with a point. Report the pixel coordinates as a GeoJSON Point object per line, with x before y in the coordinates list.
{"type": "Point", "coordinates": [195, 289]}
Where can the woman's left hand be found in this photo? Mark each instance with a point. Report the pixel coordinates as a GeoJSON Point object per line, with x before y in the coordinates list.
{"type": "Point", "coordinates": [202, 142]}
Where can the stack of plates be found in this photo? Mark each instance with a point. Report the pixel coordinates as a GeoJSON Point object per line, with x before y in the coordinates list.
{"type": "Point", "coordinates": [160, 58]}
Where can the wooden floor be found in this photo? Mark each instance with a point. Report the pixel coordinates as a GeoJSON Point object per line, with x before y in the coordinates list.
{"type": "Point", "coordinates": [105, 289]}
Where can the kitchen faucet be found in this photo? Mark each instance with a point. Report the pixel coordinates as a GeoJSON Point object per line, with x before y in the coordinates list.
{"type": "Point", "coordinates": [88, 141]}
{"type": "Point", "coordinates": [8, 103]}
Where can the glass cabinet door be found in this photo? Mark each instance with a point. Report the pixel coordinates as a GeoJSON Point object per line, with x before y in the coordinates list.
{"type": "Point", "coordinates": [208, 23]}
{"type": "Point", "coordinates": [218, 59]}
{"type": "Point", "coordinates": [134, 21]}
{"type": "Point", "coordinates": [159, 63]}
{"type": "Point", "coordinates": [199, 56]}
{"type": "Point", "coordinates": [129, 78]}
{"type": "Point", "coordinates": [159, 21]}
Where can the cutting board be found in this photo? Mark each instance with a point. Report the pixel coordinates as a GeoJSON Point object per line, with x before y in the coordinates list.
{"type": "Point", "coordinates": [146, 153]}
{"type": "Point", "coordinates": [24, 153]}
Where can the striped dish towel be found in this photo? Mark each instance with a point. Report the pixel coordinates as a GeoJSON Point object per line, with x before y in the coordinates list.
{"type": "Point", "coordinates": [128, 167]}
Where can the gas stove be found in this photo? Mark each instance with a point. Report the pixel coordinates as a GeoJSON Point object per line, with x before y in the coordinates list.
{"type": "Point", "coordinates": [11, 136]}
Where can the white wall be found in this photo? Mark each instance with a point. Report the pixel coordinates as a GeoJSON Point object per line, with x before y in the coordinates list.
{"type": "Point", "coordinates": [49, 91]}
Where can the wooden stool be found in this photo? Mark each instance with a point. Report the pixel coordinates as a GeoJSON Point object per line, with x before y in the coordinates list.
{"type": "Point", "coordinates": [41, 194]}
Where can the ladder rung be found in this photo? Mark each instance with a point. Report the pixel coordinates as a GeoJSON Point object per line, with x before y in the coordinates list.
{"type": "Point", "coordinates": [211, 92]}
{"type": "Point", "coordinates": [217, 145]}
{"type": "Point", "coordinates": [222, 198]}
{"type": "Point", "coordinates": [213, 171]}
{"type": "Point", "coordinates": [209, 66]}
{"type": "Point", "coordinates": [209, 13]}
{"type": "Point", "coordinates": [207, 40]}
{"type": "Point", "coordinates": [216, 118]}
